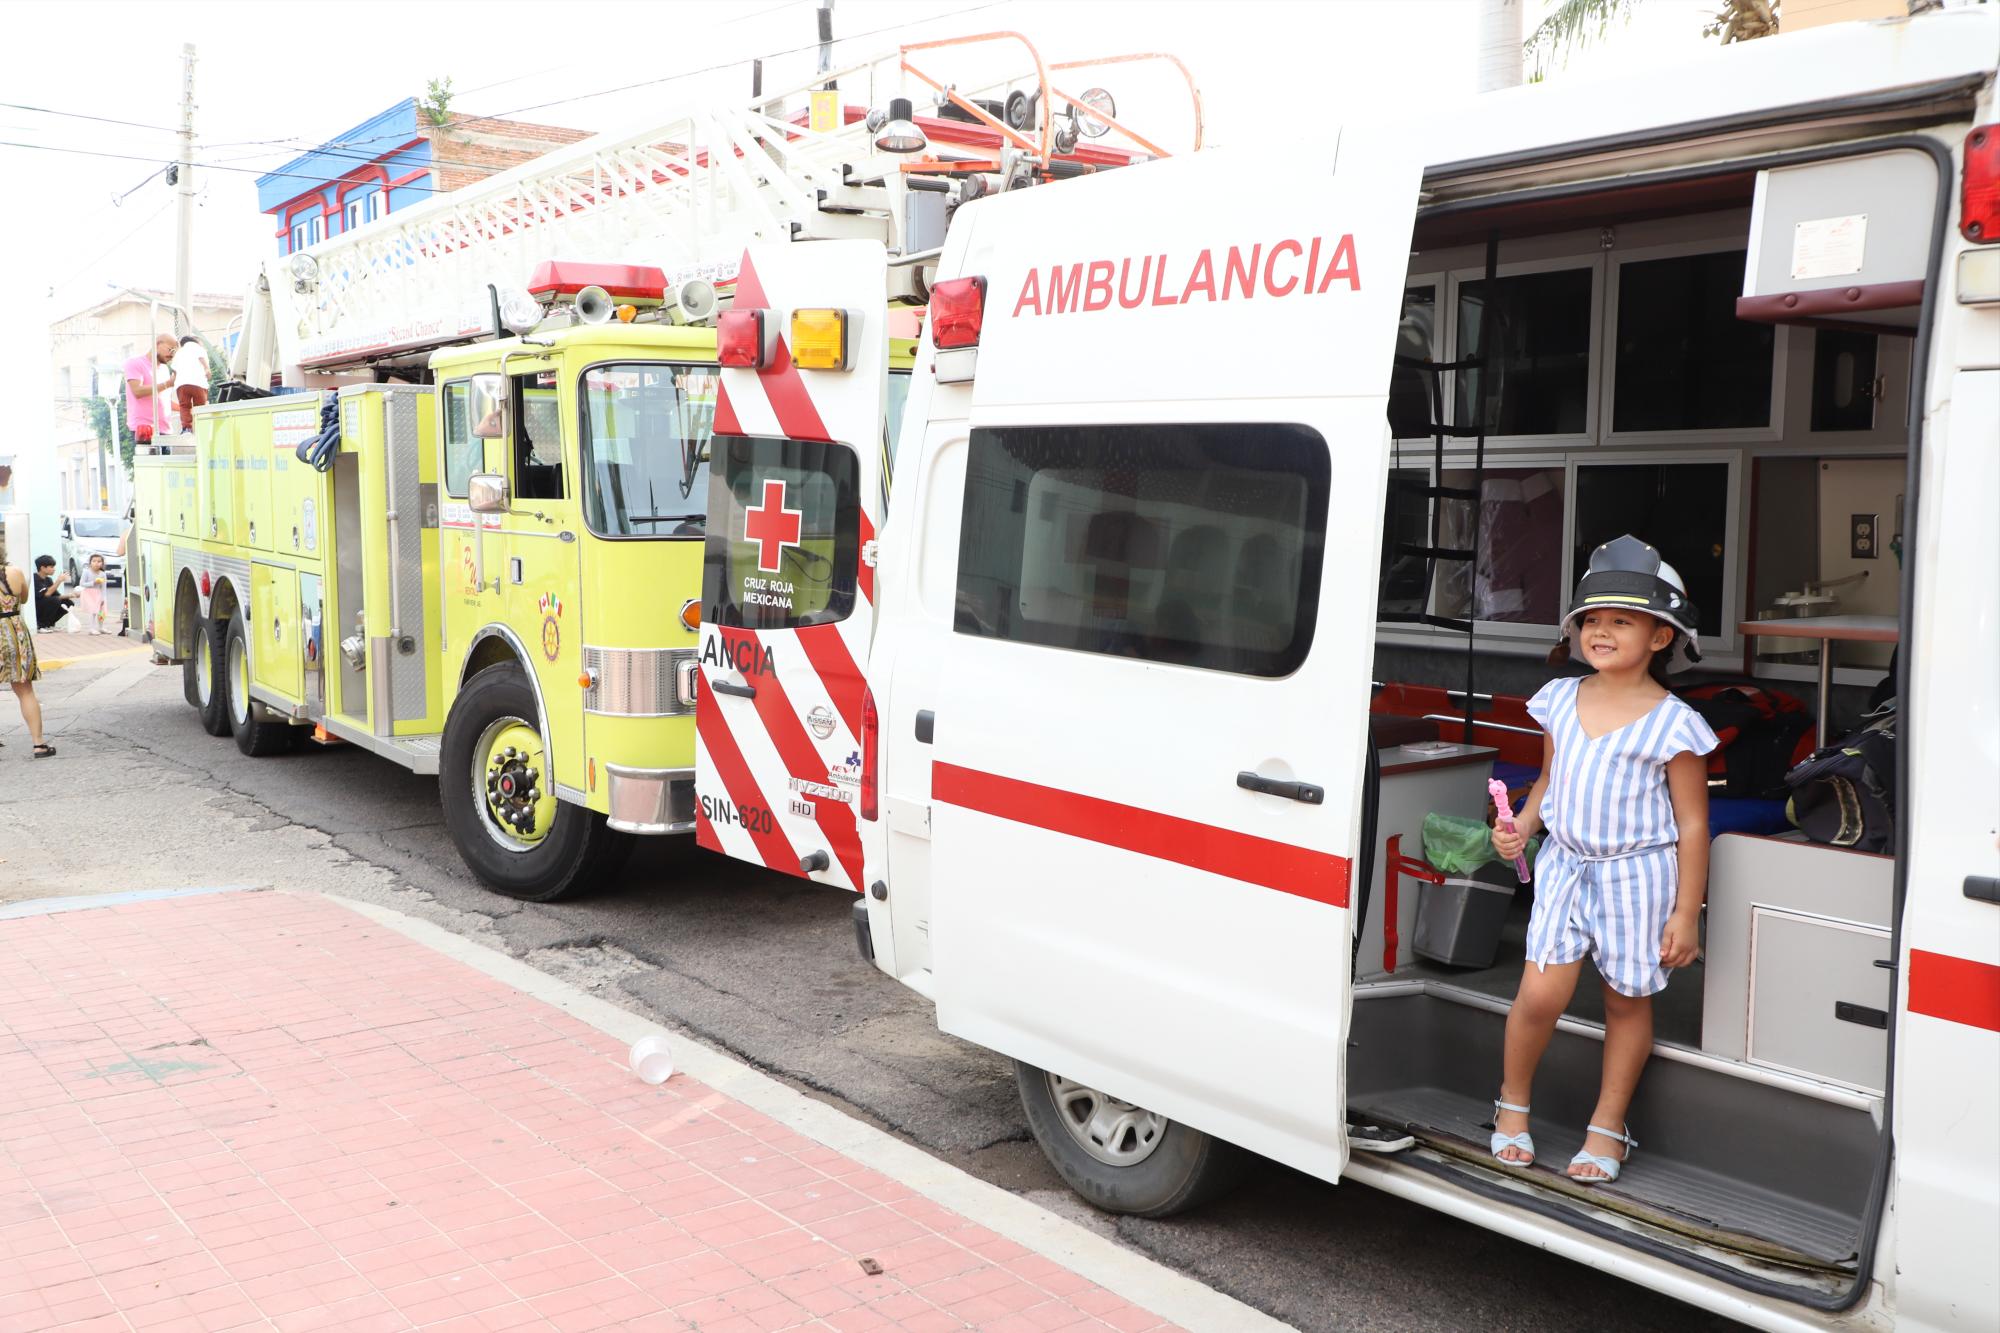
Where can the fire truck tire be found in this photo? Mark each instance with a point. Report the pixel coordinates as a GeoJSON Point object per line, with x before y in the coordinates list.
{"type": "Point", "coordinates": [256, 735]}
{"type": "Point", "coordinates": [1120, 1157]}
{"type": "Point", "coordinates": [499, 805]}
{"type": "Point", "coordinates": [206, 683]}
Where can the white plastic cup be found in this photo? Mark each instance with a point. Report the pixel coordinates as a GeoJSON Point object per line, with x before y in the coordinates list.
{"type": "Point", "coordinates": [653, 1058]}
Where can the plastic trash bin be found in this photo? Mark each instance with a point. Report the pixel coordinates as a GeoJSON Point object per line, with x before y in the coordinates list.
{"type": "Point", "coordinates": [1459, 921]}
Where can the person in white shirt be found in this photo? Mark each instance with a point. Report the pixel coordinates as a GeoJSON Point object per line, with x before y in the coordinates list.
{"type": "Point", "coordinates": [190, 366]}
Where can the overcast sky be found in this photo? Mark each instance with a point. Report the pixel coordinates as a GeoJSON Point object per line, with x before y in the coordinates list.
{"type": "Point", "coordinates": [274, 77]}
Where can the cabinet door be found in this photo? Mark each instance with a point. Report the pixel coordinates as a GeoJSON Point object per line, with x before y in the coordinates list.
{"type": "Point", "coordinates": [1818, 1002]}
{"type": "Point", "coordinates": [215, 508]}
{"type": "Point", "coordinates": [275, 645]}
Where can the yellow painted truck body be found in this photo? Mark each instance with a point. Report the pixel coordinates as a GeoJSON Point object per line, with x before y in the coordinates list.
{"type": "Point", "coordinates": [538, 658]}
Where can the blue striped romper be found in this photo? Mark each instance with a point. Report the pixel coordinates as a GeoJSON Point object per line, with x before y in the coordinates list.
{"type": "Point", "coordinates": [1605, 877]}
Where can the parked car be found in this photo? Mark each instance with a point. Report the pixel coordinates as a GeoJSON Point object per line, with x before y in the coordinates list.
{"type": "Point", "coordinates": [85, 535]}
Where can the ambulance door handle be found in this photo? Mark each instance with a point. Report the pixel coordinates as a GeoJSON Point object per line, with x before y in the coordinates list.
{"type": "Point", "coordinates": [1303, 792]}
{"type": "Point", "coordinates": [740, 691]}
{"type": "Point", "coordinates": [926, 725]}
{"type": "Point", "coordinates": [1981, 888]}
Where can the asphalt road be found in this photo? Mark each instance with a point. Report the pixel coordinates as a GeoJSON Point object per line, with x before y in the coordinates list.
{"type": "Point", "coordinates": [763, 965]}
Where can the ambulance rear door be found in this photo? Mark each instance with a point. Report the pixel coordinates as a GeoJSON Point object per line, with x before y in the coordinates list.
{"type": "Point", "coordinates": [1147, 708]}
{"type": "Point", "coordinates": [795, 494]}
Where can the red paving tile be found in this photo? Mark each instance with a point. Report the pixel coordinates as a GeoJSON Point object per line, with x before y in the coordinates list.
{"type": "Point", "coordinates": [254, 1110]}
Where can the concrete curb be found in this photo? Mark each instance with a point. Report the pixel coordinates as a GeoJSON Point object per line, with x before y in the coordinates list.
{"type": "Point", "coordinates": [1110, 1265]}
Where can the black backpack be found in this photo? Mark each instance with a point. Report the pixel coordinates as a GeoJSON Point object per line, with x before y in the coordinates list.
{"type": "Point", "coordinates": [1845, 793]}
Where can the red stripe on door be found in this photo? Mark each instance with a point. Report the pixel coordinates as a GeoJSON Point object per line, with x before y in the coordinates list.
{"type": "Point", "coordinates": [786, 388]}
{"type": "Point", "coordinates": [1957, 990]}
{"type": "Point", "coordinates": [828, 653]}
{"type": "Point", "coordinates": [757, 817]}
{"type": "Point", "coordinates": [781, 381]}
{"type": "Point", "coordinates": [1319, 876]}
{"type": "Point", "coordinates": [803, 760]}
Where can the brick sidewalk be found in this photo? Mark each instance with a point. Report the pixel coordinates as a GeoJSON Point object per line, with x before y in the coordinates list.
{"type": "Point", "coordinates": [59, 648]}
{"type": "Point", "coordinates": [255, 1110]}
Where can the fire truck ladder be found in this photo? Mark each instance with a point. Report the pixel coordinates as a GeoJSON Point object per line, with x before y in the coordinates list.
{"type": "Point", "coordinates": [685, 195]}
{"type": "Point", "coordinates": [1434, 553]}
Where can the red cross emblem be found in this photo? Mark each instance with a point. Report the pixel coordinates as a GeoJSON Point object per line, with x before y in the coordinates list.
{"type": "Point", "coordinates": [772, 526]}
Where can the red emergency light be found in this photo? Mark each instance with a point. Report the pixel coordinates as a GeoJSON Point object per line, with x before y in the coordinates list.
{"type": "Point", "coordinates": [635, 284]}
{"type": "Point", "coordinates": [739, 339]}
{"type": "Point", "coordinates": [871, 748]}
{"type": "Point", "coordinates": [958, 306]}
{"type": "Point", "coordinates": [1979, 187]}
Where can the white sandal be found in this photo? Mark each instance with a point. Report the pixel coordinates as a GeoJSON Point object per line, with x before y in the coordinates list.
{"type": "Point", "coordinates": [1610, 1166]}
{"type": "Point", "coordinates": [1524, 1140]}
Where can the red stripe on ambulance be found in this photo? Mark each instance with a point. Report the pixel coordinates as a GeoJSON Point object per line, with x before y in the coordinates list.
{"type": "Point", "coordinates": [1957, 990]}
{"type": "Point", "coordinates": [780, 380]}
{"type": "Point", "coordinates": [828, 655]}
{"type": "Point", "coordinates": [1318, 876]}
{"type": "Point", "coordinates": [803, 761]}
{"type": "Point", "coordinates": [746, 807]}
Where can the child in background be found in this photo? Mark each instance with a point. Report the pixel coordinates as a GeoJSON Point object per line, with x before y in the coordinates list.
{"type": "Point", "coordinates": [1621, 877]}
{"type": "Point", "coordinates": [91, 593]}
{"type": "Point", "coordinates": [190, 381]}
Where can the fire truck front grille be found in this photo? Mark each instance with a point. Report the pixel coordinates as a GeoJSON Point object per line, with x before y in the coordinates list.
{"type": "Point", "coordinates": [635, 682]}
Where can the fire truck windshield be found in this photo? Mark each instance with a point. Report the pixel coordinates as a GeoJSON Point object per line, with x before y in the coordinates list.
{"type": "Point", "coordinates": [645, 428]}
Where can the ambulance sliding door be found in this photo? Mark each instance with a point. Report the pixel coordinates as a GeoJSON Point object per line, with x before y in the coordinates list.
{"type": "Point", "coordinates": [1148, 714]}
{"type": "Point", "coordinates": [788, 601]}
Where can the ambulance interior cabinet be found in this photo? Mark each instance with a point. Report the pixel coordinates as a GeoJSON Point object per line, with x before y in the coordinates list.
{"type": "Point", "coordinates": [1789, 980]}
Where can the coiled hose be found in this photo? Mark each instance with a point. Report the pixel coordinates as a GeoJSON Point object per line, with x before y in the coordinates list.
{"type": "Point", "coordinates": [320, 449]}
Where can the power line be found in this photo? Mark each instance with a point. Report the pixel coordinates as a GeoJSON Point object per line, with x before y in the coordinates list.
{"type": "Point", "coordinates": [199, 166]}
{"type": "Point", "coordinates": [81, 115]}
{"type": "Point", "coordinates": [113, 249]}
{"type": "Point", "coordinates": [744, 60]}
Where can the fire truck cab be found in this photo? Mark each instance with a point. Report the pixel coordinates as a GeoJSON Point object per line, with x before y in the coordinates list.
{"type": "Point", "coordinates": [1212, 467]}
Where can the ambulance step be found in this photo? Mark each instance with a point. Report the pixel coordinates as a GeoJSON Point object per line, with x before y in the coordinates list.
{"type": "Point", "coordinates": [1673, 1195]}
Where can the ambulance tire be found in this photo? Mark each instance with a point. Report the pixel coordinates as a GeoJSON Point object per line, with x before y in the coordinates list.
{"type": "Point", "coordinates": [556, 866]}
{"type": "Point", "coordinates": [1183, 1169]}
{"type": "Point", "coordinates": [256, 735]}
{"type": "Point", "coordinates": [206, 682]}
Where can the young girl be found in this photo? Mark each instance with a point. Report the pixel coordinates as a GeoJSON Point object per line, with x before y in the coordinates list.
{"type": "Point", "coordinates": [90, 596]}
{"type": "Point", "coordinates": [1624, 798]}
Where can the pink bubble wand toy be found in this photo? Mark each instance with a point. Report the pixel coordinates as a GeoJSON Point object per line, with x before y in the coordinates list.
{"type": "Point", "coordinates": [1506, 816]}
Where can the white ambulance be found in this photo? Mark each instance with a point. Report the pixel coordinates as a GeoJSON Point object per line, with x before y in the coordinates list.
{"type": "Point", "coordinates": [1111, 727]}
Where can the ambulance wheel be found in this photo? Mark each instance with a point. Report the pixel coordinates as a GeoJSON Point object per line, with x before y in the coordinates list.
{"type": "Point", "coordinates": [256, 735]}
{"type": "Point", "coordinates": [1120, 1157]}
{"type": "Point", "coordinates": [499, 795]}
{"type": "Point", "coordinates": [210, 687]}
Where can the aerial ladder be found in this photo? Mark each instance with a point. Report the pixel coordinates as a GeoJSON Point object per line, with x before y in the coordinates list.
{"type": "Point", "coordinates": [842, 156]}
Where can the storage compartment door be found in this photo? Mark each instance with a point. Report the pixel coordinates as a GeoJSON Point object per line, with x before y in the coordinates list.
{"type": "Point", "coordinates": [275, 642]}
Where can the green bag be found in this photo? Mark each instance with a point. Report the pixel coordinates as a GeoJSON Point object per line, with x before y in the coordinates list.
{"type": "Point", "coordinates": [1455, 844]}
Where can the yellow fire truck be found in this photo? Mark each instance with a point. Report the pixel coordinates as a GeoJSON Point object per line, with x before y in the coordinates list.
{"type": "Point", "coordinates": [492, 570]}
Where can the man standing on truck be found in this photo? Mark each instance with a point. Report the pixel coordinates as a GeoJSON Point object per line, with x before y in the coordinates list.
{"type": "Point", "coordinates": [142, 375]}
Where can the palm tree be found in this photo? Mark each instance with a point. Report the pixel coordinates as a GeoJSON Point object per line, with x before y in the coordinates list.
{"type": "Point", "coordinates": [1573, 22]}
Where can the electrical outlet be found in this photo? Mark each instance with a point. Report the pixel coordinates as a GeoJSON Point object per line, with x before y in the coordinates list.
{"type": "Point", "coordinates": [1864, 540]}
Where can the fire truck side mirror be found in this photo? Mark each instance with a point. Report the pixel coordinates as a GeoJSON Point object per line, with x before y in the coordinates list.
{"type": "Point", "coordinates": [487, 493]}
{"type": "Point", "coordinates": [489, 407]}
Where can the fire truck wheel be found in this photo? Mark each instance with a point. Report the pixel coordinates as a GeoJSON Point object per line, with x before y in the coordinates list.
{"type": "Point", "coordinates": [256, 735]}
{"type": "Point", "coordinates": [499, 795]}
{"type": "Point", "coordinates": [1120, 1157]}
{"type": "Point", "coordinates": [210, 686]}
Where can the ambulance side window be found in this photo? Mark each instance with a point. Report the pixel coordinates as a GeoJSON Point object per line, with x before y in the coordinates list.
{"type": "Point", "coordinates": [464, 453]}
{"type": "Point", "coordinates": [538, 471]}
{"type": "Point", "coordinates": [1196, 545]}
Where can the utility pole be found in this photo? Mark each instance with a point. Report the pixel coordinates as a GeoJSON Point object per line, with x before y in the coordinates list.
{"type": "Point", "coordinates": [184, 180]}
{"type": "Point", "coordinates": [825, 35]}
{"type": "Point", "coordinates": [1499, 44]}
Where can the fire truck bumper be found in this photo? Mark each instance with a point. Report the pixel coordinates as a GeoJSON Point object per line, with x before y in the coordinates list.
{"type": "Point", "coordinates": [650, 800]}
